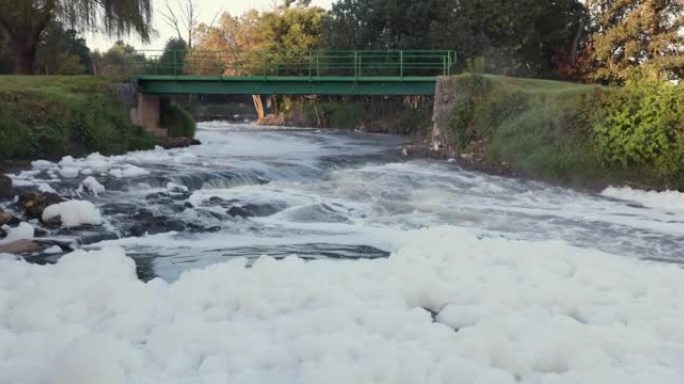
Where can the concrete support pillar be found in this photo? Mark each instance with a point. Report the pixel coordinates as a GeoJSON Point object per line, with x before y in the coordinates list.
{"type": "Point", "coordinates": [147, 114]}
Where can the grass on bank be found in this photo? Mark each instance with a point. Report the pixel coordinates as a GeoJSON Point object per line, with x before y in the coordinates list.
{"type": "Point", "coordinates": [54, 116]}
{"type": "Point", "coordinates": [552, 130]}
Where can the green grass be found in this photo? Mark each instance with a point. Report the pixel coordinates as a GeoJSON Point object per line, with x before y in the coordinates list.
{"type": "Point", "coordinates": [537, 128]}
{"type": "Point", "coordinates": [54, 116]}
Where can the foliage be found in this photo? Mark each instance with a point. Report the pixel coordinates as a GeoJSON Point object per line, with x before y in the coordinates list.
{"type": "Point", "coordinates": [537, 128]}
{"type": "Point", "coordinates": [172, 60]}
{"type": "Point", "coordinates": [642, 124]}
{"type": "Point", "coordinates": [284, 35]}
{"type": "Point", "coordinates": [176, 120]}
{"type": "Point", "coordinates": [49, 117]}
{"type": "Point", "coordinates": [62, 52]}
{"type": "Point", "coordinates": [631, 34]}
{"type": "Point", "coordinates": [564, 132]}
{"type": "Point", "coordinates": [515, 37]}
{"type": "Point", "coordinates": [23, 21]}
{"type": "Point", "coordinates": [388, 115]}
{"type": "Point", "coordinates": [120, 59]}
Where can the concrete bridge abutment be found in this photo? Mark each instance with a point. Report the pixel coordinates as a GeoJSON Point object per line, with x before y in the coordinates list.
{"type": "Point", "coordinates": [147, 114]}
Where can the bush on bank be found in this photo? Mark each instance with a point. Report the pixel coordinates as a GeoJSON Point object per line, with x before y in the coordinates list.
{"type": "Point", "coordinates": [388, 115]}
{"type": "Point", "coordinates": [568, 133]}
{"type": "Point", "coordinates": [177, 121]}
{"type": "Point", "coordinates": [53, 116]}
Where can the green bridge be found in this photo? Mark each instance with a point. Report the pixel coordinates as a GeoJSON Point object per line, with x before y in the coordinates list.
{"type": "Point", "coordinates": [320, 72]}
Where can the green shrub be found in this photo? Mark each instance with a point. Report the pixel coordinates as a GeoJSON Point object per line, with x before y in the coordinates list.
{"type": "Point", "coordinates": [176, 120]}
{"type": "Point", "coordinates": [53, 116]}
{"type": "Point", "coordinates": [642, 124]}
{"type": "Point", "coordinates": [576, 134]}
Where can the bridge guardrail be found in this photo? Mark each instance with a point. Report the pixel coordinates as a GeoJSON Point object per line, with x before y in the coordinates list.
{"type": "Point", "coordinates": [295, 63]}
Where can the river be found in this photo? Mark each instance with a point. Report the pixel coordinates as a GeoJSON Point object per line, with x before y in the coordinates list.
{"type": "Point", "coordinates": [532, 277]}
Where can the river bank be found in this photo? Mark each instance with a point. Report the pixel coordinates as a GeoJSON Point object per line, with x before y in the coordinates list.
{"type": "Point", "coordinates": [581, 136]}
{"type": "Point", "coordinates": [48, 117]}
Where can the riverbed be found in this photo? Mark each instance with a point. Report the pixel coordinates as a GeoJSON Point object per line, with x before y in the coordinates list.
{"type": "Point", "coordinates": [310, 256]}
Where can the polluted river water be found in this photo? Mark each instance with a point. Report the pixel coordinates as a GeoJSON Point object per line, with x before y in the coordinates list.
{"type": "Point", "coordinates": [309, 256]}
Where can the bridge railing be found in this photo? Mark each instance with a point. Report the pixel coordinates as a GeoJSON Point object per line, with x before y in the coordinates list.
{"type": "Point", "coordinates": [301, 63]}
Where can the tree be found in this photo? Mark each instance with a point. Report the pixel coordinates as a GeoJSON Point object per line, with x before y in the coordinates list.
{"type": "Point", "coordinates": [120, 58]}
{"type": "Point", "coordinates": [629, 35]}
{"type": "Point", "coordinates": [388, 24]}
{"type": "Point", "coordinates": [62, 52]}
{"type": "Point", "coordinates": [22, 22]}
{"type": "Point", "coordinates": [172, 61]}
{"type": "Point", "coordinates": [183, 20]}
{"type": "Point", "coordinates": [516, 37]}
{"type": "Point", "coordinates": [248, 44]}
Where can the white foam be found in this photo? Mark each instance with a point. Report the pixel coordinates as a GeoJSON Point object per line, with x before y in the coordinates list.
{"type": "Point", "coordinates": [74, 213]}
{"type": "Point", "coordinates": [53, 250]}
{"type": "Point", "coordinates": [669, 200]}
{"type": "Point", "coordinates": [510, 312]}
{"type": "Point", "coordinates": [91, 185]}
{"type": "Point", "coordinates": [20, 232]}
{"type": "Point", "coordinates": [69, 172]}
{"type": "Point", "coordinates": [46, 188]}
{"type": "Point", "coordinates": [130, 170]}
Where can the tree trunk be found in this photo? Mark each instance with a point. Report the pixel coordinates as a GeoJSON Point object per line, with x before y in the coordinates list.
{"type": "Point", "coordinates": [23, 59]}
{"type": "Point", "coordinates": [259, 106]}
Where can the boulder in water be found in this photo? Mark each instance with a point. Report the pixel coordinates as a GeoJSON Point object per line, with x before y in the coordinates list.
{"type": "Point", "coordinates": [34, 203]}
{"type": "Point", "coordinates": [147, 222]}
{"type": "Point", "coordinates": [252, 210]}
{"type": "Point", "coordinates": [6, 190]}
{"type": "Point", "coordinates": [8, 219]}
{"type": "Point", "coordinates": [21, 246]}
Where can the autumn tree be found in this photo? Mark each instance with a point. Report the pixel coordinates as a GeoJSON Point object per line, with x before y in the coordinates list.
{"type": "Point", "coordinates": [629, 35]}
{"type": "Point", "coordinates": [256, 41]}
{"type": "Point", "coordinates": [22, 22]}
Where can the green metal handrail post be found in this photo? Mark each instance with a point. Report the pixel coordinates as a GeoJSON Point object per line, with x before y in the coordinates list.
{"type": "Point", "coordinates": [444, 66]}
{"type": "Point", "coordinates": [401, 64]}
{"type": "Point", "coordinates": [174, 63]}
{"type": "Point", "coordinates": [356, 64]}
{"type": "Point", "coordinates": [310, 64]}
{"type": "Point", "coordinates": [318, 69]}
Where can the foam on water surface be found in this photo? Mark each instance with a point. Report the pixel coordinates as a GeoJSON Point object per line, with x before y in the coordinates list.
{"type": "Point", "coordinates": [507, 311]}
{"type": "Point", "coordinates": [490, 280]}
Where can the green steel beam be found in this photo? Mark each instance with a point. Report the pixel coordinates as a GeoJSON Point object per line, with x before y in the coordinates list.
{"type": "Point", "coordinates": [205, 85]}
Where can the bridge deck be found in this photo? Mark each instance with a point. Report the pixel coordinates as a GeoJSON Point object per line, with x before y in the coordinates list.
{"type": "Point", "coordinates": [287, 85]}
{"type": "Point", "coordinates": [293, 72]}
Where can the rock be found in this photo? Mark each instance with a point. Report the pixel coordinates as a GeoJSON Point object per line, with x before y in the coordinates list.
{"type": "Point", "coordinates": [40, 232]}
{"type": "Point", "coordinates": [178, 142]}
{"type": "Point", "coordinates": [21, 246]}
{"type": "Point", "coordinates": [154, 224]}
{"type": "Point", "coordinates": [253, 210]}
{"type": "Point", "coordinates": [54, 221]}
{"type": "Point", "coordinates": [272, 119]}
{"type": "Point", "coordinates": [34, 203]}
{"type": "Point", "coordinates": [97, 237]}
{"type": "Point", "coordinates": [6, 190]}
{"type": "Point", "coordinates": [8, 219]}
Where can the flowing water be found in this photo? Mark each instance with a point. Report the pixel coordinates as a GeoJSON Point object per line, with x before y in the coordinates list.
{"type": "Point", "coordinates": [326, 194]}
{"type": "Point", "coordinates": [406, 271]}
